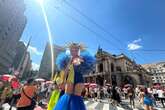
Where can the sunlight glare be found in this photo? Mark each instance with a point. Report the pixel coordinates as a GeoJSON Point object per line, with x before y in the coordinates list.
{"type": "Point", "coordinates": [49, 36]}
{"type": "Point", "coordinates": [40, 2]}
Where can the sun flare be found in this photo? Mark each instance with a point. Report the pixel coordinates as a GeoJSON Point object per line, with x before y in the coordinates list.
{"type": "Point", "coordinates": [40, 2]}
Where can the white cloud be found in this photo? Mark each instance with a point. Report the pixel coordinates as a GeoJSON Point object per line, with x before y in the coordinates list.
{"type": "Point", "coordinates": [134, 44]}
{"type": "Point", "coordinates": [137, 40]}
{"type": "Point", "coordinates": [35, 66]}
{"type": "Point", "coordinates": [33, 50]}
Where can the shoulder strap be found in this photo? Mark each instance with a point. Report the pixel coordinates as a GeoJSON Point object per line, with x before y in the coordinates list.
{"type": "Point", "coordinates": [26, 94]}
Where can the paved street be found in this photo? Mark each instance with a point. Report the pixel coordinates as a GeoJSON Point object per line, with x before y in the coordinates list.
{"type": "Point", "coordinates": [6, 107]}
{"type": "Point", "coordinates": [93, 105]}
{"type": "Point", "coordinates": [104, 105]}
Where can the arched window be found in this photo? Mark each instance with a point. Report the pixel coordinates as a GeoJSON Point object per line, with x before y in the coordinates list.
{"type": "Point", "coordinates": [101, 67]}
{"type": "Point", "coordinates": [128, 80]}
{"type": "Point", "coordinates": [118, 68]}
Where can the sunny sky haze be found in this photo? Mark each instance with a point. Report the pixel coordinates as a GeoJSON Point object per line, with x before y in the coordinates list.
{"type": "Point", "coordinates": [133, 27]}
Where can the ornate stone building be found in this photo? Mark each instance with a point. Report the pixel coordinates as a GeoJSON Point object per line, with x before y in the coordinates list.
{"type": "Point", "coordinates": [157, 72]}
{"type": "Point", "coordinates": [117, 70]}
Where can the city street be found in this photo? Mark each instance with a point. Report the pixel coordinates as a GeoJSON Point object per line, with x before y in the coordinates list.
{"type": "Point", "coordinates": [105, 105]}
{"type": "Point", "coordinates": [93, 105]}
{"type": "Point", "coordinates": [56, 53]}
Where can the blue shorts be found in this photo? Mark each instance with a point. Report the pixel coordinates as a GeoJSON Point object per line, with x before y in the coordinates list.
{"type": "Point", "coordinates": [148, 101]}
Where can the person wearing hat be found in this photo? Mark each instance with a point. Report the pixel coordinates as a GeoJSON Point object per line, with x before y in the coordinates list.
{"type": "Point", "coordinates": [75, 62]}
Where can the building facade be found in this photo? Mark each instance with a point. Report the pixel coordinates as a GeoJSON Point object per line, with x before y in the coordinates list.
{"type": "Point", "coordinates": [12, 24]}
{"type": "Point", "coordinates": [34, 73]}
{"type": "Point", "coordinates": [157, 72]}
{"type": "Point", "coordinates": [20, 51]}
{"type": "Point", "coordinates": [117, 70]}
{"type": "Point", "coordinates": [45, 66]}
{"type": "Point", "coordinates": [26, 68]}
{"type": "Point", "coordinates": [22, 60]}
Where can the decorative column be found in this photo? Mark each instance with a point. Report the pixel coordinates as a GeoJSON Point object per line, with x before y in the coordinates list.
{"type": "Point", "coordinates": [96, 67]}
{"type": "Point", "coordinates": [106, 66]}
{"type": "Point", "coordinates": [109, 71]}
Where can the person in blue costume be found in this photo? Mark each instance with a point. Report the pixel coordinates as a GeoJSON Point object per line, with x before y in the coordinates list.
{"type": "Point", "coordinates": [75, 62]}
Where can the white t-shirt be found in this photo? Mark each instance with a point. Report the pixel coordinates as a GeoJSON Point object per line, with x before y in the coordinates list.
{"type": "Point", "coordinates": [160, 93]}
{"type": "Point", "coordinates": [42, 87]}
{"type": "Point", "coordinates": [154, 91]}
{"type": "Point", "coordinates": [149, 90]}
{"type": "Point", "coordinates": [137, 90]}
{"type": "Point", "coordinates": [95, 90]}
{"type": "Point", "coordinates": [50, 88]}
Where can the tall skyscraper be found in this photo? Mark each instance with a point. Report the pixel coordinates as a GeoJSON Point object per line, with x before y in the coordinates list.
{"type": "Point", "coordinates": [45, 66]}
{"type": "Point", "coordinates": [26, 67]}
{"type": "Point", "coordinates": [12, 24]}
{"type": "Point", "coordinates": [20, 51]}
{"type": "Point", "coordinates": [22, 60]}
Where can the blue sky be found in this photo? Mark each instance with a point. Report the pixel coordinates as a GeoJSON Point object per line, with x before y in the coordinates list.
{"type": "Point", "coordinates": [137, 25]}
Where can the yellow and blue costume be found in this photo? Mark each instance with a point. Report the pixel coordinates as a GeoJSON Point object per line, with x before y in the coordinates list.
{"type": "Point", "coordinates": [58, 91]}
{"type": "Point", "coordinates": [53, 100]}
{"type": "Point", "coordinates": [72, 99]}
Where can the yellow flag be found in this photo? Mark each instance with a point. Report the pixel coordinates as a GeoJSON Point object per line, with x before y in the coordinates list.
{"type": "Point", "coordinates": [62, 75]}
{"type": "Point", "coordinates": [53, 99]}
{"type": "Point", "coordinates": [71, 74]}
{"type": "Point", "coordinates": [54, 79]}
{"type": "Point", "coordinates": [59, 78]}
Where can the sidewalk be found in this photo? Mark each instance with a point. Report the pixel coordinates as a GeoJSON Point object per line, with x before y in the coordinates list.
{"type": "Point", "coordinates": [138, 106]}
{"type": "Point", "coordinates": [6, 106]}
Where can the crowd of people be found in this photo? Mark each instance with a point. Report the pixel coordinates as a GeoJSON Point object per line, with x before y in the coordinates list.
{"type": "Point", "coordinates": [67, 90]}
{"type": "Point", "coordinates": [28, 95]}
{"type": "Point", "coordinates": [24, 96]}
{"type": "Point", "coordinates": [72, 66]}
{"type": "Point", "coordinates": [102, 92]}
{"type": "Point", "coordinates": [147, 97]}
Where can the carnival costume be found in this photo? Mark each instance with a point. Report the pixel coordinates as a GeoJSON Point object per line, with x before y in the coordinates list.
{"type": "Point", "coordinates": [57, 92]}
{"type": "Point", "coordinates": [75, 64]}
